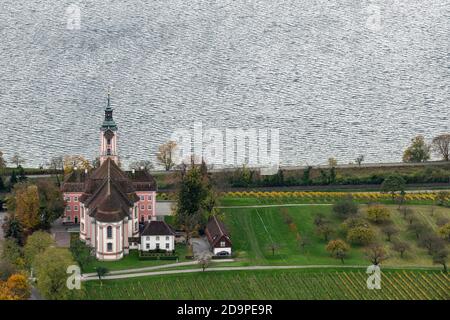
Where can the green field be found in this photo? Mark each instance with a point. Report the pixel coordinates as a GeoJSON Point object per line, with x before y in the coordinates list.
{"type": "Point", "coordinates": [277, 284]}
{"type": "Point", "coordinates": [254, 229]}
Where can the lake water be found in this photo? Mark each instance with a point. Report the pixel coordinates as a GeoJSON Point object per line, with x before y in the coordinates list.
{"type": "Point", "coordinates": [338, 78]}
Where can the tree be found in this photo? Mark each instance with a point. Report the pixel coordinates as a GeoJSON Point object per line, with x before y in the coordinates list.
{"type": "Point", "coordinates": [13, 229]}
{"type": "Point", "coordinates": [13, 179]}
{"type": "Point", "coordinates": [17, 160]}
{"type": "Point", "coordinates": [442, 198]}
{"type": "Point", "coordinates": [101, 272]}
{"type": "Point", "coordinates": [6, 270]}
{"type": "Point", "coordinates": [392, 184]}
{"type": "Point", "coordinates": [204, 260]}
{"type": "Point", "coordinates": [432, 243]}
{"type": "Point", "coordinates": [81, 252]}
{"type": "Point", "coordinates": [418, 151]}
{"type": "Point", "coordinates": [400, 246]}
{"type": "Point", "coordinates": [303, 241]}
{"type": "Point", "coordinates": [376, 254]}
{"type": "Point", "coordinates": [76, 162]}
{"type": "Point", "coordinates": [15, 288]}
{"type": "Point", "coordinates": [338, 249]}
{"type": "Point", "coordinates": [389, 230]}
{"type": "Point", "coordinates": [37, 243]}
{"type": "Point", "coordinates": [12, 253]}
{"type": "Point", "coordinates": [441, 146]}
{"type": "Point", "coordinates": [324, 230]}
{"type": "Point", "coordinates": [165, 154]}
{"type": "Point", "coordinates": [190, 225]}
{"type": "Point", "coordinates": [141, 165]}
{"type": "Point", "coordinates": [51, 203]}
{"type": "Point", "coordinates": [193, 191]}
{"type": "Point", "coordinates": [332, 162]}
{"type": "Point", "coordinates": [2, 184]}
{"type": "Point", "coordinates": [56, 164]}
{"type": "Point", "coordinates": [378, 214]}
{"type": "Point", "coordinates": [50, 269]}
{"type": "Point", "coordinates": [273, 247]}
{"type": "Point", "coordinates": [2, 161]}
{"type": "Point", "coordinates": [360, 235]}
{"type": "Point", "coordinates": [417, 227]}
{"type": "Point", "coordinates": [441, 257]}
{"type": "Point", "coordinates": [444, 231]}
{"type": "Point", "coordinates": [359, 160]}
{"type": "Point", "coordinates": [25, 203]}
{"type": "Point", "coordinates": [346, 207]}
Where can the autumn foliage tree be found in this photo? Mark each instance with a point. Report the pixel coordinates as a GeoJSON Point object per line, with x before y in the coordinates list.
{"type": "Point", "coordinates": [165, 154]}
{"type": "Point", "coordinates": [338, 249]}
{"type": "Point", "coordinates": [25, 204]}
{"type": "Point", "coordinates": [15, 288]}
{"type": "Point", "coordinates": [418, 151]}
{"type": "Point", "coordinates": [378, 214]}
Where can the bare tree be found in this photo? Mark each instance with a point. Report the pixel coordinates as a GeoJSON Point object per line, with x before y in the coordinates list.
{"type": "Point", "coordinates": [17, 160]}
{"type": "Point", "coordinates": [165, 154]}
{"type": "Point", "coordinates": [389, 230]}
{"type": "Point", "coordinates": [441, 146]}
{"type": "Point", "coordinates": [401, 247]}
{"type": "Point", "coordinates": [441, 257]}
{"type": "Point", "coordinates": [376, 253]}
{"type": "Point", "coordinates": [273, 247]}
{"type": "Point", "coordinates": [56, 164]}
{"type": "Point", "coordinates": [141, 165]}
{"type": "Point", "coordinates": [359, 160]}
{"type": "Point", "coordinates": [204, 259]}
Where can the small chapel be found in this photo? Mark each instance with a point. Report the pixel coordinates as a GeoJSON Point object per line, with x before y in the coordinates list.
{"type": "Point", "coordinates": [109, 204]}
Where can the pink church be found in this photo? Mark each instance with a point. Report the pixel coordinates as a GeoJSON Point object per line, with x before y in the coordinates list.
{"type": "Point", "coordinates": [108, 203]}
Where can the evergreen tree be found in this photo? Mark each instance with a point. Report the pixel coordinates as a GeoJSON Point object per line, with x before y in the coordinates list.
{"type": "Point", "coordinates": [2, 185]}
{"type": "Point", "coordinates": [13, 179]}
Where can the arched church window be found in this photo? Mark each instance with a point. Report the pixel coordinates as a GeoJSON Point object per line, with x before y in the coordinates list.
{"type": "Point", "coordinates": [109, 246]}
{"type": "Point", "coordinates": [109, 232]}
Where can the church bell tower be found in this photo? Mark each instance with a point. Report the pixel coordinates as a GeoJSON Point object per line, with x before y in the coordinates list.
{"type": "Point", "coordinates": [108, 136]}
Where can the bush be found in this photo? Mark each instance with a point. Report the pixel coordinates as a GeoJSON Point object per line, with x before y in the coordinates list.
{"type": "Point", "coordinates": [361, 235]}
{"type": "Point", "coordinates": [378, 214]}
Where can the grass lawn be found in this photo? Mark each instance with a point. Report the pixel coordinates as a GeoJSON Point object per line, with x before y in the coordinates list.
{"type": "Point", "coordinates": [254, 229]}
{"type": "Point", "coordinates": [275, 284]}
{"type": "Point", "coordinates": [131, 261]}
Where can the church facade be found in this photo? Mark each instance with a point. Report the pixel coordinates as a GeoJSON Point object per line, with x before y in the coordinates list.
{"type": "Point", "coordinates": [109, 204]}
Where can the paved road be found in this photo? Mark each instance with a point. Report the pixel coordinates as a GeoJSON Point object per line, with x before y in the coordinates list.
{"type": "Point", "coordinates": [275, 205]}
{"type": "Point", "coordinates": [2, 216]}
{"type": "Point", "coordinates": [199, 245]}
{"type": "Point", "coordinates": [166, 272]}
{"type": "Point", "coordinates": [93, 276]}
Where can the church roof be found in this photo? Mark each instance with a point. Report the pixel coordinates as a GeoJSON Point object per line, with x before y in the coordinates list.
{"type": "Point", "coordinates": [109, 193]}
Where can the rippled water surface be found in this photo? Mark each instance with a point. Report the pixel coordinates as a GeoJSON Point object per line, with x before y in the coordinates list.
{"type": "Point", "coordinates": [333, 80]}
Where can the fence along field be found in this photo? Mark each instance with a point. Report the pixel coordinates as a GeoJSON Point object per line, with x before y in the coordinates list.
{"type": "Point", "coordinates": [278, 284]}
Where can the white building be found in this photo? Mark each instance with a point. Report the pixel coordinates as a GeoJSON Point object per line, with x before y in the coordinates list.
{"type": "Point", "coordinates": [157, 235]}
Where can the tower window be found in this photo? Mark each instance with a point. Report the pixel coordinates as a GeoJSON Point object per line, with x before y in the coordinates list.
{"type": "Point", "coordinates": [108, 152]}
{"type": "Point", "coordinates": [109, 232]}
{"type": "Point", "coordinates": [108, 141]}
{"type": "Point", "coordinates": [109, 247]}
